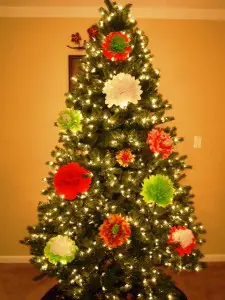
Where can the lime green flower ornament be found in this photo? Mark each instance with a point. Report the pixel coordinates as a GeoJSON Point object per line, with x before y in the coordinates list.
{"type": "Point", "coordinates": [60, 249]}
{"type": "Point", "coordinates": [70, 119]}
{"type": "Point", "coordinates": [158, 189]}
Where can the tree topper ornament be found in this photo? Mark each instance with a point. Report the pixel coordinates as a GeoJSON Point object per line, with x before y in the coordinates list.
{"type": "Point", "coordinates": [116, 46]}
{"type": "Point", "coordinates": [122, 89]}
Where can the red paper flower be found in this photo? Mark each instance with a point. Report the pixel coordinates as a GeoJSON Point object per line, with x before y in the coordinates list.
{"type": "Point", "coordinates": [71, 179]}
{"type": "Point", "coordinates": [160, 142]}
{"type": "Point", "coordinates": [76, 38]}
{"type": "Point", "coordinates": [125, 157]}
{"type": "Point", "coordinates": [184, 238]}
{"type": "Point", "coordinates": [93, 32]}
{"type": "Point", "coordinates": [116, 46]}
{"type": "Point", "coordinates": [115, 231]}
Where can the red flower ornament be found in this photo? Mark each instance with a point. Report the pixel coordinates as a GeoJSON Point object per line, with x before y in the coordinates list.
{"type": "Point", "coordinates": [160, 142]}
{"type": "Point", "coordinates": [115, 231]}
{"type": "Point", "coordinates": [116, 46]}
{"type": "Point", "coordinates": [71, 179]}
{"type": "Point", "coordinates": [125, 157]}
{"type": "Point", "coordinates": [92, 32]}
{"type": "Point", "coordinates": [183, 238]}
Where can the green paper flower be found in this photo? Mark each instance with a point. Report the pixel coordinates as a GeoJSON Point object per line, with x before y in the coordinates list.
{"type": "Point", "coordinates": [118, 44]}
{"type": "Point", "coordinates": [70, 119]}
{"type": "Point", "coordinates": [60, 249]}
{"type": "Point", "coordinates": [158, 189]}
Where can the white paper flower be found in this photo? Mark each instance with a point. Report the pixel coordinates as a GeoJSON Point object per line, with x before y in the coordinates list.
{"type": "Point", "coordinates": [183, 237]}
{"type": "Point", "coordinates": [60, 249]}
{"type": "Point", "coordinates": [122, 89]}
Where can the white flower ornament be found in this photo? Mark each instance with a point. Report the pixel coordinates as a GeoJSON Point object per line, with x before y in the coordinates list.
{"type": "Point", "coordinates": [121, 90]}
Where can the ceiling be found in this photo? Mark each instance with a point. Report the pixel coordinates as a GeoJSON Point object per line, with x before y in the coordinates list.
{"type": "Point", "coordinates": [201, 4]}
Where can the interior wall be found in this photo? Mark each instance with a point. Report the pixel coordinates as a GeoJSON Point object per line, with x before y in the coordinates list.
{"type": "Point", "coordinates": [34, 78]}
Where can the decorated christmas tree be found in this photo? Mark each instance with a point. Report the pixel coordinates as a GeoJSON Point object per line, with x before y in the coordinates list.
{"type": "Point", "coordinates": [117, 214]}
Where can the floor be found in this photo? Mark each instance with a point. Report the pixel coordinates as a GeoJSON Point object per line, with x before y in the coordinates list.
{"type": "Point", "coordinates": [16, 283]}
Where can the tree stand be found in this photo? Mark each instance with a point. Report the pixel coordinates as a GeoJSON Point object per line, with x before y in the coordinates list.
{"type": "Point", "coordinates": [55, 294]}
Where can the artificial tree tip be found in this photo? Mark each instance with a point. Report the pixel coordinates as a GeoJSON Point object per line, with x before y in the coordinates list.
{"type": "Point", "coordinates": [109, 4]}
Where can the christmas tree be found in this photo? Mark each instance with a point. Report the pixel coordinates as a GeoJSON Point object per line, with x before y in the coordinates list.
{"type": "Point", "coordinates": [116, 213]}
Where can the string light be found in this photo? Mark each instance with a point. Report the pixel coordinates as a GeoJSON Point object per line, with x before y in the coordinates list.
{"type": "Point", "coordinates": [44, 267]}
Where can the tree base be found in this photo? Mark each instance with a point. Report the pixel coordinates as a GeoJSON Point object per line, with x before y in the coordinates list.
{"type": "Point", "coordinates": [55, 294]}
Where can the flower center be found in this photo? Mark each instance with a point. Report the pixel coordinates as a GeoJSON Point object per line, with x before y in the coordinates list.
{"type": "Point", "coordinates": [118, 44]}
{"type": "Point", "coordinates": [66, 118]}
{"type": "Point", "coordinates": [126, 157]}
{"type": "Point", "coordinates": [115, 229]}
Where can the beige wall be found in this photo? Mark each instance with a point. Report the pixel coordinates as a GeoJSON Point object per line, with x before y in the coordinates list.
{"type": "Point", "coordinates": [33, 79]}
